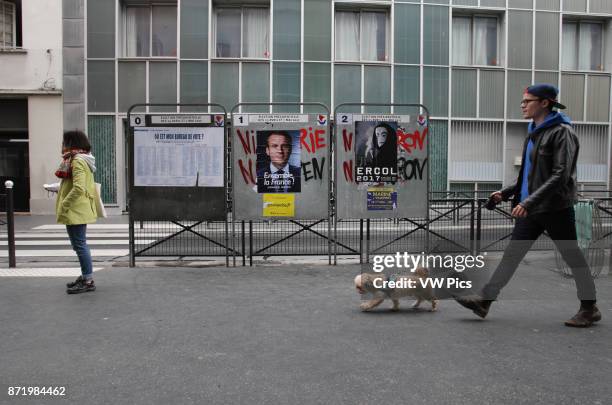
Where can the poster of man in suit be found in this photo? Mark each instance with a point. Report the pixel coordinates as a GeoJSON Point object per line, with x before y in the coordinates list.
{"type": "Point", "coordinates": [278, 161]}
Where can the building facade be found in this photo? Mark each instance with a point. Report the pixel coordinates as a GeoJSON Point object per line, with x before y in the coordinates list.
{"type": "Point", "coordinates": [468, 61]}
{"type": "Point", "coordinates": [30, 99]}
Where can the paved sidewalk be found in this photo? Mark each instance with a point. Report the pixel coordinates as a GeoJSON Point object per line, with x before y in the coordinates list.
{"type": "Point", "coordinates": [294, 335]}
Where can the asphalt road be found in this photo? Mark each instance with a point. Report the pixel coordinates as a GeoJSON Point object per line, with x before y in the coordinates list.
{"type": "Point", "coordinates": [293, 334]}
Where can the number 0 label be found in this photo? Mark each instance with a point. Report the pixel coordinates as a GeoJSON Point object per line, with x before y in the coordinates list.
{"type": "Point", "coordinates": [137, 120]}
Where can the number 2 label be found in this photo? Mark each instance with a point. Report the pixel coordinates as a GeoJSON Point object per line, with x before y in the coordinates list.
{"type": "Point", "coordinates": [345, 119]}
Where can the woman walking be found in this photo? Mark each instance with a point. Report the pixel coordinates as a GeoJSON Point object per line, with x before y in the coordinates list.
{"type": "Point", "coordinates": [76, 203]}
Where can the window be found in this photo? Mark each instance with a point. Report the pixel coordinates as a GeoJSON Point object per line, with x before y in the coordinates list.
{"type": "Point", "coordinates": [582, 45]}
{"type": "Point", "coordinates": [149, 31]}
{"type": "Point", "coordinates": [10, 24]}
{"type": "Point", "coordinates": [362, 36]}
{"type": "Point", "coordinates": [475, 40]}
{"type": "Point", "coordinates": [242, 32]}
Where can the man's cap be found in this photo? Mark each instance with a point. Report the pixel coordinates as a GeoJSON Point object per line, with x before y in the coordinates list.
{"type": "Point", "coordinates": [547, 92]}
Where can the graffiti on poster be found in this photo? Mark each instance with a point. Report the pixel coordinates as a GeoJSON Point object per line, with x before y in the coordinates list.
{"type": "Point", "coordinates": [304, 162]}
{"type": "Point", "coordinates": [278, 161]}
{"type": "Point", "coordinates": [376, 152]}
{"type": "Point", "coordinates": [408, 168]}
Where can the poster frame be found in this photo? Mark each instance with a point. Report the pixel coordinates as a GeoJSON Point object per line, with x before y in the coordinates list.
{"type": "Point", "coordinates": [330, 188]}
{"type": "Point", "coordinates": [335, 143]}
{"type": "Point", "coordinates": [208, 109]}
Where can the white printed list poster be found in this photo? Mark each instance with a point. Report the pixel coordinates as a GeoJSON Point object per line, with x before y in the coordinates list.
{"type": "Point", "coordinates": [178, 157]}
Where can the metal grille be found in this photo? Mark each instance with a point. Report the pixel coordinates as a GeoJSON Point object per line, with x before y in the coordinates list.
{"type": "Point", "coordinates": [101, 130]}
{"type": "Point", "coordinates": [547, 77]}
{"type": "Point", "coordinates": [520, 28]}
{"type": "Point", "coordinates": [457, 224]}
{"type": "Point", "coordinates": [592, 248]}
{"type": "Point", "coordinates": [464, 93]}
{"type": "Point", "coordinates": [552, 5]}
{"type": "Point", "coordinates": [517, 81]}
{"type": "Point", "coordinates": [287, 238]}
{"type": "Point", "coordinates": [162, 238]}
{"type": "Point", "coordinates": [572, 94]}
{"type": "Point", "coordinates": [491, 93]}
{"type": "Point", "coordinates": [438, 154]}
{"type": "Point", "coordinates": [477, 151]}
{"type": "Point", "coordinates": [598, 100]}
{"type": "Point", "coordinates": [592, 165]}
{"type": "Point", "coordinates": [601, 6]}
{"type": "Point", "coordinates": [547, 32]}
{"type": "Point", "coordinates": [575, 5]}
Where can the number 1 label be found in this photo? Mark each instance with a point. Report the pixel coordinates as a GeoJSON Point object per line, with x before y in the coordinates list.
{"type": "Point", "coordinates": [241, 120]}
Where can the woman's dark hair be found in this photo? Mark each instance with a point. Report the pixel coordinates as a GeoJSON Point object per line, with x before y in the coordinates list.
{"type": "Point", "coordinates": [76, 140]}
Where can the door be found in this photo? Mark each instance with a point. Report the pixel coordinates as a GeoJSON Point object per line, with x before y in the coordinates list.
{"type": "Point", "coordinates": [14, 166]}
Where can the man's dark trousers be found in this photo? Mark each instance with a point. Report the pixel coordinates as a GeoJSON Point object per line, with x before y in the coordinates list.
{"type": "Point", "coordinates": [561, 228]}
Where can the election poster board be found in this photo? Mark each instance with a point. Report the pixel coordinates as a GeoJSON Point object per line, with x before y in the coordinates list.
{"type": "Point", "coordinates": [177, 167]}
{"type": "Point", "coordinates": [381, 165]}
{"type": "Point", "coordinates": [178, 157]}
{"type": "Point", "coordinates": [280, 166]}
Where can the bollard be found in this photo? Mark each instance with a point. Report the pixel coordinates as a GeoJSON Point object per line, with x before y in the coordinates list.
{"type": "Point", "coordinates": [10, 222]}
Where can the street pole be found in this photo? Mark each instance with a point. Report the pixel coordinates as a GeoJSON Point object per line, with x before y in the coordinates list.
{"type": "Point", "coordinates": [10, 222]}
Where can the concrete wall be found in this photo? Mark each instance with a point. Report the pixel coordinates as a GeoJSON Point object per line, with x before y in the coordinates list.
{"type": "Point", "coordinates": [35, 73]}
{"type": "Point", "coordinates": [45, 130]}
{"type": "Point", "coordinates": [40, 65]}
{"type": "Point", "coordinates": [72, 22]}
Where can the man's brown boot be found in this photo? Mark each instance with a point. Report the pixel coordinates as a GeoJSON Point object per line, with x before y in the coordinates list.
{"type": "Point", "coordinates": [584, 318]}
{"type": "Point", "coordinates": [475, 302]}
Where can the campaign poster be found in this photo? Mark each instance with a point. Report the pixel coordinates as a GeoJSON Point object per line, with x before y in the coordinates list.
{"type": "Point", "coordinates": [381, 199]}
{"type": "Point", "coordinates": [278, 161]}
{"type": "Point", "coordinates": [376, 152]}
{"type": "Point", "coordinates": [278, 205]}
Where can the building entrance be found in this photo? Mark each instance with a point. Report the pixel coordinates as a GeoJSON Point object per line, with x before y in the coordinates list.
{"type": "Point", "coordinates": [14, 160]}
{"type": "Point", "coordinates": [14, 166]}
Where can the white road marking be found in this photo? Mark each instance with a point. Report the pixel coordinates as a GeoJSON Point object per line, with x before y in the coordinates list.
{"type": "Point", "coordinates": [66, 252]}
{"type": "Point", "coordinates": [43, 272]}
{"type": "Point", "coordinates": [64, 235]}
{"type": "Point", "coordinates": [89, 226]}
{"type": "Point", "coordinates": [113, 226]}
{"type": "Point", "coordinates": [67, 242]}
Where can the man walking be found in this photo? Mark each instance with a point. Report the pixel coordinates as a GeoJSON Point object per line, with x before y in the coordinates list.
{"type": "Point", "coordinates": [544, 196]}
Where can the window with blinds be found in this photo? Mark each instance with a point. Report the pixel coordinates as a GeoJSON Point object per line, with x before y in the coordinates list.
{"type": "Point", "coordinates": [8, 26]}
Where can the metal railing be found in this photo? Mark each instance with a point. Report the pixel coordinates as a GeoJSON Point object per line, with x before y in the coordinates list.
{"type": "Point", "coordinates": [455, 225]}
